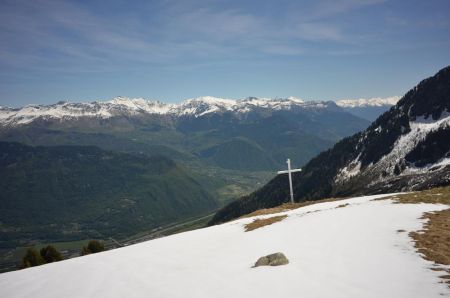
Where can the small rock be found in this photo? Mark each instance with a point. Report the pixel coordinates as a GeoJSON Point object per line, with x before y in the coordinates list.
{"type": "Point", "coordinates": [275, 259]}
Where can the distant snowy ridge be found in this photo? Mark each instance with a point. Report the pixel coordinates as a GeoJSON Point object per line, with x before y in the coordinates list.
{"type": "Point", "coordinates": [368, 102]}
{"type": "Point", "coordinates": [120, 106]}
{"type": "Point", "coordinates": [60, 110]}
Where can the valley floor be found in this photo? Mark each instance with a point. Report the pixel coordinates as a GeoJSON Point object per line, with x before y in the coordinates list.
{"type": "Point", "coordinates": [357, 247]}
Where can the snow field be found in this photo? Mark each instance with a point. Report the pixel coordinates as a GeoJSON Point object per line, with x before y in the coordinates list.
{"type": "Point", "coordinates": [354, 251]}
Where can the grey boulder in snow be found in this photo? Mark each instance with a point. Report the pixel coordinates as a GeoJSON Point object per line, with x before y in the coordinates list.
{"type": "Point", "coordinates": [275, 259]}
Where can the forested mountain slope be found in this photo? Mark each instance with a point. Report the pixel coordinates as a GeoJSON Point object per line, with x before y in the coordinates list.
{"type": "Point", "coordinates": [79, 192]}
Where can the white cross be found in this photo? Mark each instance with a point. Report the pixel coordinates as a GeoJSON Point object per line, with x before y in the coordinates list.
{"type": "Point", "coordinates": [289, 172]}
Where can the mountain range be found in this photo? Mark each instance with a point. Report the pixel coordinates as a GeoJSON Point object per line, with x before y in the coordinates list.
{"type": "Point", "coordinates": [206, 128]}
{"type": "Point", "coordinates": [212, 137]}
{"type": "Point", "coordinates": [406, 148]}
{"type": "Point", "coordinates": [197, 107]}
{"type": "Point", "coordinates": [73, 171]}
{"type": "Point", "coordinates": [65, 164]}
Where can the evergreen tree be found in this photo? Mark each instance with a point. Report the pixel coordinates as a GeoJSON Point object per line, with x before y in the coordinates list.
{"type": "Point", "coordinates": [94, 246]}
{"type": "Point", "coordinates": [32, 258]}
{"type": "Point", "coordinates": [50, 254]}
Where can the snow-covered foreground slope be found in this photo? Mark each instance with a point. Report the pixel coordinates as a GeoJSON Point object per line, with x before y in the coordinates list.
{"type": "Point", "coordinates": [354, 251]}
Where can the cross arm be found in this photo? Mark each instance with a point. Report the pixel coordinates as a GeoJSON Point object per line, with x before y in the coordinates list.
{"type": "Point", "coordinates": [292, 171]}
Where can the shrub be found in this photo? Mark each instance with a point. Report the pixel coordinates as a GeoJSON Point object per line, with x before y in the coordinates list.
{"type": "Point", "coordinates": [32, 258]}
{"type": "Point", "coordinates": [50, 254]}
{"type": "Point", "coordinates": [93, 246]}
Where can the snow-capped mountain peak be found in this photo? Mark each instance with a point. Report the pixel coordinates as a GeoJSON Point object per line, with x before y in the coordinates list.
{"type": "Point", "coordinates": [296, 99]}
{"type": "Point", "coordinates": [140, 104]}
{"type": "Point", "coordinates": [212, 100]}
{"type": "Point", "coordinates": [203, 105]}
{"type": "Point", "coordinates": [368, 102]}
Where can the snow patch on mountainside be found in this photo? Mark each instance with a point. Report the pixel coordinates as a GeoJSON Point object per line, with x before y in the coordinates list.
{"type": "Point", "coordinates": [420, 128]}
{"type": "Point", "coordinates": [368, 102]}
{"type": "Point", "coordinates": [351, 252]}
{"type": "Point", "coordinates": [443, 162]}
{"type": "Point", "coordinates": [351, 170]}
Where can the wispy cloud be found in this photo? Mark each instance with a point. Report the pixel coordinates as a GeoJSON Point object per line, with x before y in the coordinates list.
{"type": "Point", "coordinates": [70, 35]}
{"type": "Point", "coordinates": [323, 9]}
{"type": "Point", "coordinates": [60, 32]}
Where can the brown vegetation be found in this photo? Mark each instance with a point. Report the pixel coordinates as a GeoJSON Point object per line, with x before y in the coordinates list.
{"type": "Point", "coordinates": [94, 246]}
{"type": "Point", "coordinates": [288, 206]}
{"type": "Point", "coordinates": [258, 223]}
{"type": "Point", "coordinates": [433, 242]}
{"type": "Point", "coordinates": [438, 195]}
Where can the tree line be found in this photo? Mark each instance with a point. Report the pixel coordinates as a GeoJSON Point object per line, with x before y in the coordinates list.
{"type": "Point", "coordinates": [50, 254]}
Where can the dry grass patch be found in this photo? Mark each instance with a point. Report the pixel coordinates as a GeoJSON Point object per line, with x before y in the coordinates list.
{"type": "Point", "coordinates": [438, 195]}
{"type": "Point", "coordinates": [342, 206]}
{"type": "Point", "coordinates": [288, 206]}
{"type": "Point", "coordinates": [258, 223]}
{"type": "Point", "coordinates": [433, 242]}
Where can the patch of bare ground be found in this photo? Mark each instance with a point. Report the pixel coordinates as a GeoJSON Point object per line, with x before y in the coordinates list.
{"type": "Point", "coordinates": [438, 195]}
{"type": "Point", "coordinates": [288, 206]}
{"type": "Point", "coordinates": [342, 206]}
{"type": "Point", "coordinates": [259, 223]}
{"type": "Point", "coordinates": [433, 241]}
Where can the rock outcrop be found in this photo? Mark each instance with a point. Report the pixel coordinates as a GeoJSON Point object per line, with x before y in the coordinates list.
{"type": "Point", "coordinates": [275, 259]}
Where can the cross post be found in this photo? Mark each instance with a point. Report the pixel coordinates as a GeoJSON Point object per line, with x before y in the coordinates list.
{"type": "Point", "coordinates": [289, 172]}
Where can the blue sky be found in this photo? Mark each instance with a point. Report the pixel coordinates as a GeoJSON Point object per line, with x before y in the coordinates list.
{"type": "Point", "coordinates": [172, 50]}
